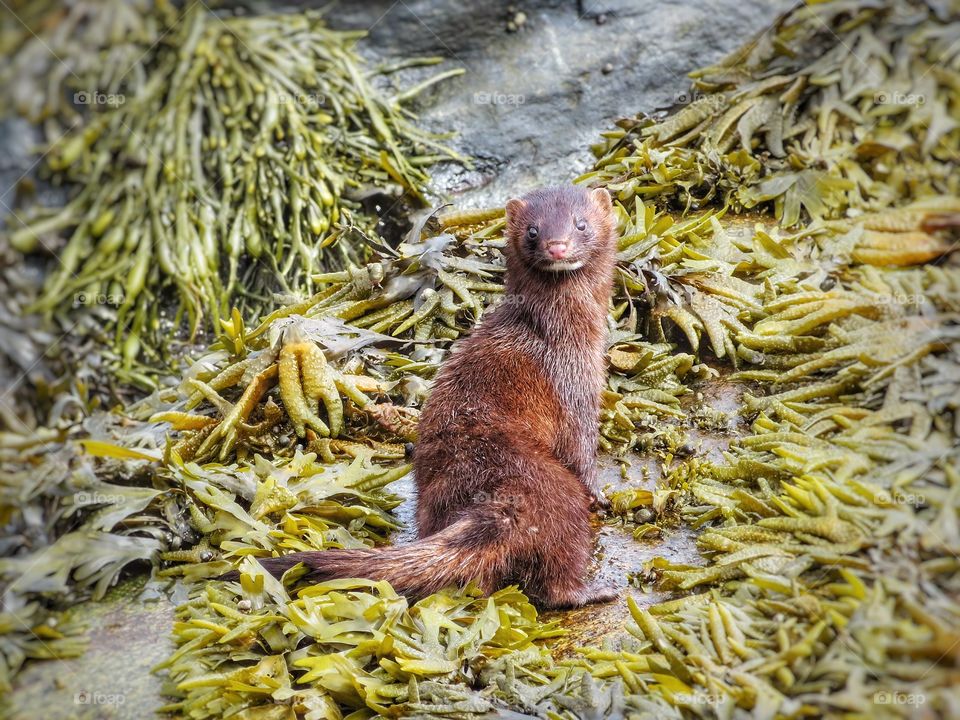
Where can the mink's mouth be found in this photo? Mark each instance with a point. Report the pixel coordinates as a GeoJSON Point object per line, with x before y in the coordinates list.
{"type": "Point", "coordinates": [563, 265]}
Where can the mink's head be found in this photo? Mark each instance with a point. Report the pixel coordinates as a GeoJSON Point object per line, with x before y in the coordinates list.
{"type": "Point", "coordinates": [561, 229]}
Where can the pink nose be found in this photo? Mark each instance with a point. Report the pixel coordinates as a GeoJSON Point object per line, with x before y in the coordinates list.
{"type": "Point", "coordinates": [557, 251]}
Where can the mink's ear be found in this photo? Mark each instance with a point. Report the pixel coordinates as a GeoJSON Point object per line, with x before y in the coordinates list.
{"type": "Point", "coordinates": [514, 206]}
{"type": "Point", "coordinates": [602, 198]}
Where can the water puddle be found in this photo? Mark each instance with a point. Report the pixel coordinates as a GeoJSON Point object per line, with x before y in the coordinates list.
{"type": "Point", "coordinates": [618, 553]}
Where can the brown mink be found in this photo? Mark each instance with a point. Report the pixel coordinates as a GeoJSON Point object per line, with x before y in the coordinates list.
{"type": "Point", "coordinates": [504, 464]}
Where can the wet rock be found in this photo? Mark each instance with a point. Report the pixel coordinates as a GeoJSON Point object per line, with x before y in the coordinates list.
{"type": "Point", "coordinates": [112, 680]}
{"type": "Point", "coordinates": [530, 103]}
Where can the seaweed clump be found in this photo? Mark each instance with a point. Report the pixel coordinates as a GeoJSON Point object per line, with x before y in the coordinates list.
{"type": "Point", "coordinates": [840, 108]}
{"type": "Point", "coordinates": [225, 166]}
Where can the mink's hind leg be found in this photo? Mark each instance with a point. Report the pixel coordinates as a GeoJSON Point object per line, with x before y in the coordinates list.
{"type": "Point", "coordinates": [563, 583]}
{"type": "Point", "coordinates": [578, 597]}
{"type": "Point", "coordinates": [558, 545]}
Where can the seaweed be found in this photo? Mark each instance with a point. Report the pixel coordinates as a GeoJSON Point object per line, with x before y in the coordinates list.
{"type": "Point", "coordinates": [346, 643]}
{"type": "Point", "coordinates": [227, 173]}
{"type": "Point", "coordinates": [827, 524]}
{"type": "Point", "coordinates": [840, 108]}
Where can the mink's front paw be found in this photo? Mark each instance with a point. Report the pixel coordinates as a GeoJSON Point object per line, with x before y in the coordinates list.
{"type": "Point", "coordinates": [599, 502]}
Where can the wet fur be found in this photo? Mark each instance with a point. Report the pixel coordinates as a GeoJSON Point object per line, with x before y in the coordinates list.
{"type": "Point", "coordinates": [504, 464]}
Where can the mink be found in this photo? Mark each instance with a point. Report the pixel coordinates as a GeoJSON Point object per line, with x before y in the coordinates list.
{"type": "Point", "coordinates": [505, 459]}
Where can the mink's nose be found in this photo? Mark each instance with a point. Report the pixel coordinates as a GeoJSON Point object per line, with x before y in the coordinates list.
{"type": "Point", "coordinates": [557, 250]}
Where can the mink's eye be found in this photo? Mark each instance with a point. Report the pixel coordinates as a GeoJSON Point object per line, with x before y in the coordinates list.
{"type": "Point", "coordinates": [533, 233]}
{"type": "Point", "coordinates": [581, 224]}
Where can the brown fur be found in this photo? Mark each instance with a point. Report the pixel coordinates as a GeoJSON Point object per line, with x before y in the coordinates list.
{"type": "Point", "coordinates": [505, 460]}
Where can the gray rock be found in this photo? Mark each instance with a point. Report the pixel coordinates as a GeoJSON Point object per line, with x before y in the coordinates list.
{"type": "Point", "coordinates": [532, 101]}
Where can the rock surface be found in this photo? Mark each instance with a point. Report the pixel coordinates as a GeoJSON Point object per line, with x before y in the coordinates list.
{"type": "Point", "coordinates": [533, 100]}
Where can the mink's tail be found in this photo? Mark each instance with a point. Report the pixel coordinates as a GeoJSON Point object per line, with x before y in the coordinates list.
{"type": "Point", "coordinates": [462, 552]}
